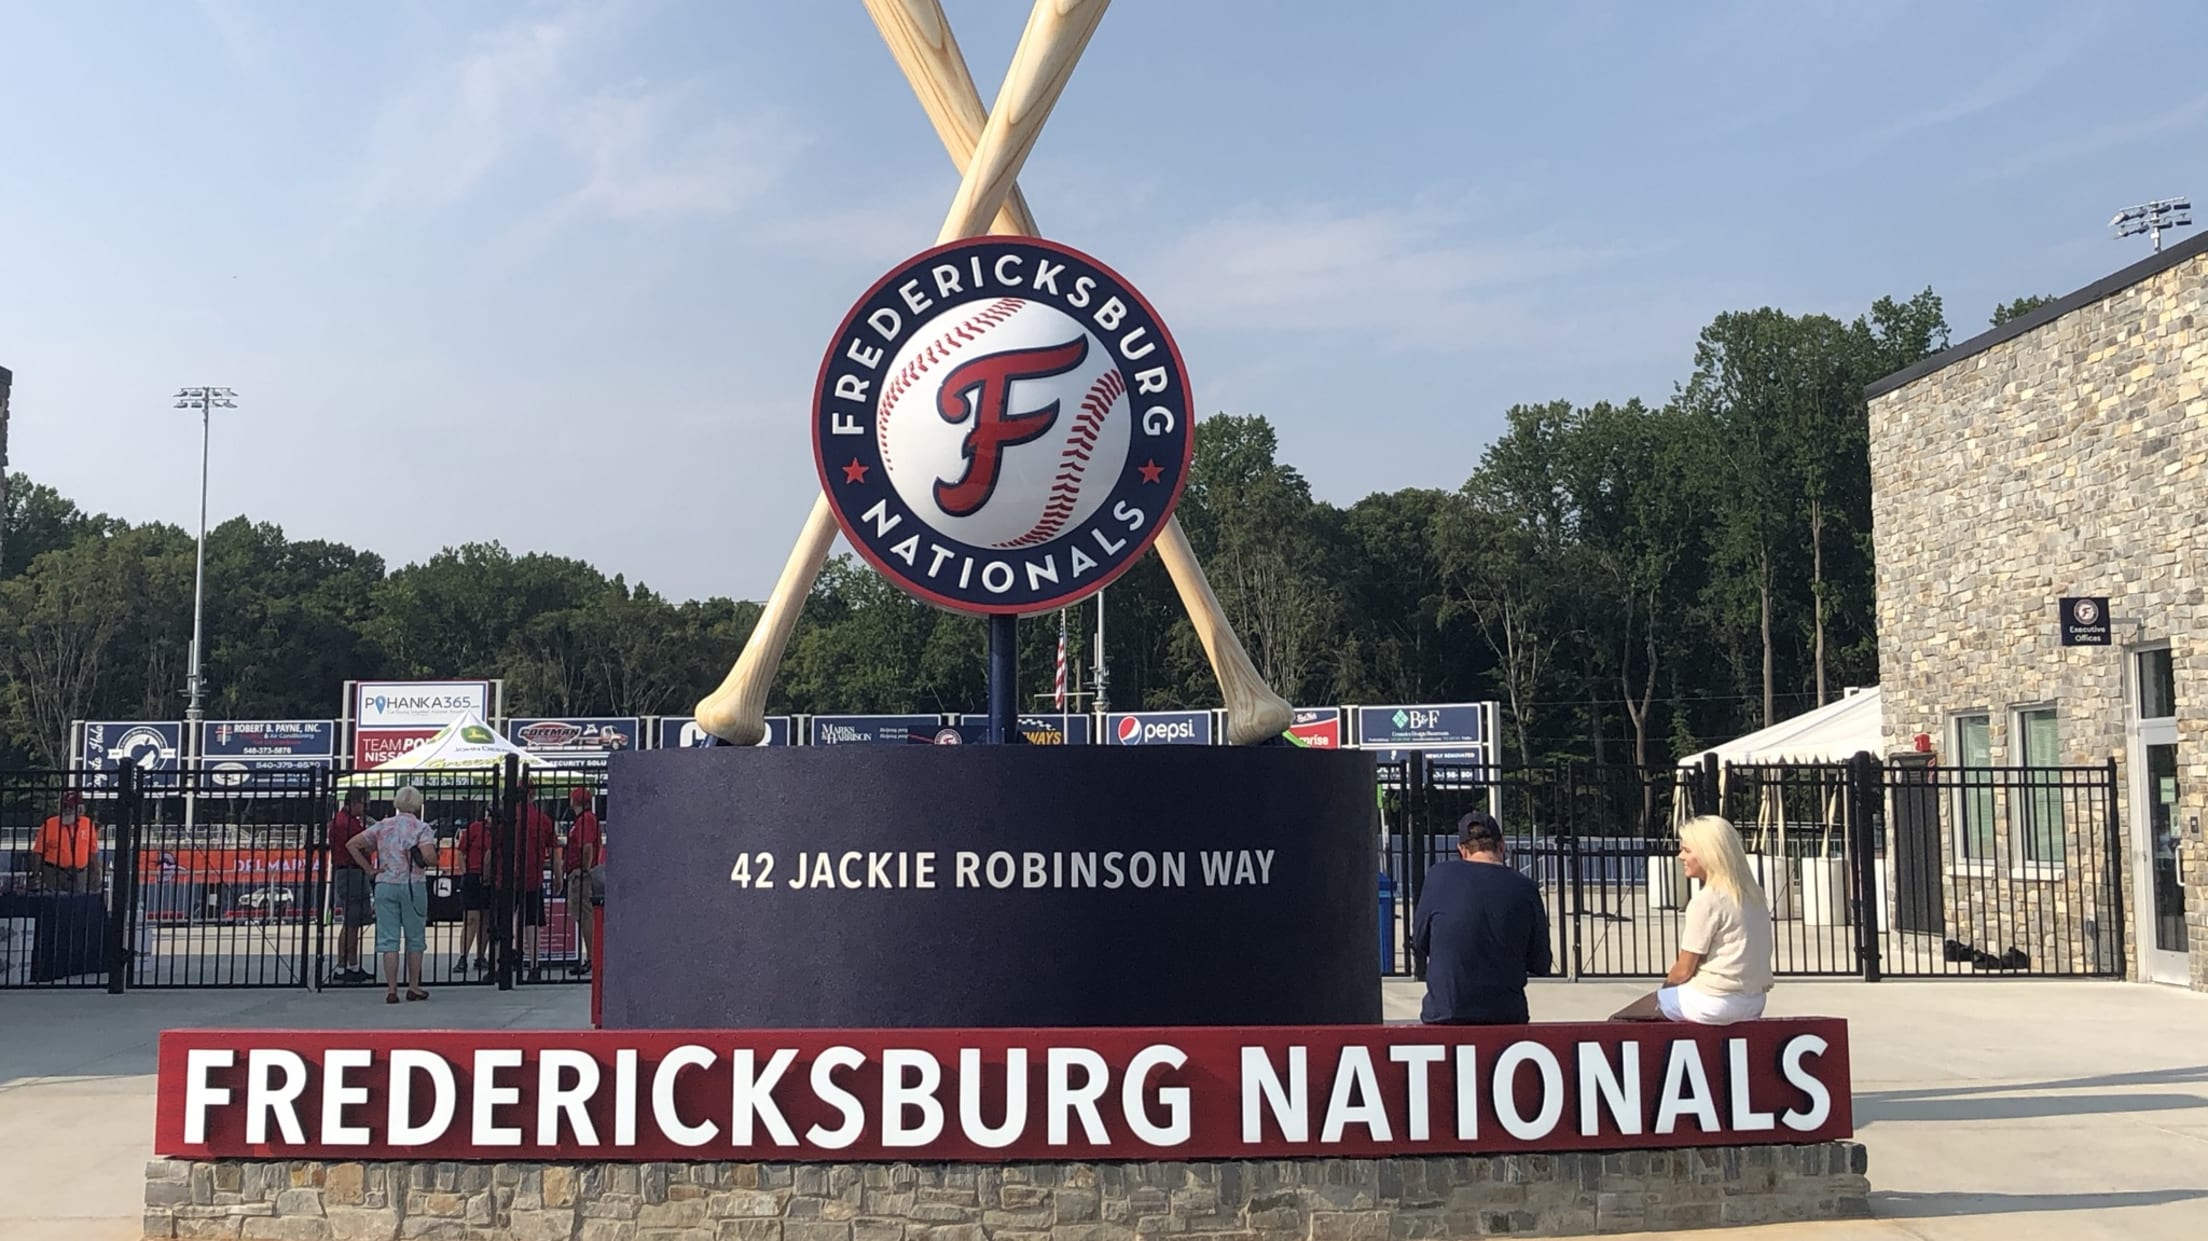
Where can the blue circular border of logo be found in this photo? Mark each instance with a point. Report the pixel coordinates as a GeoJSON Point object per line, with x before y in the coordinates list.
{"type": "Point", "coordinates": [867, 507]}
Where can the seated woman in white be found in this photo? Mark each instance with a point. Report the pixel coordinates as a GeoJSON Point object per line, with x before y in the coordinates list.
{"type": "Point", "coordinates": [1723, 970]}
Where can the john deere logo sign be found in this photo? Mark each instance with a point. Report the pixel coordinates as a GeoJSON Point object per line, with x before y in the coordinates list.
{"type": "Point", "coordinates": [478, 735]}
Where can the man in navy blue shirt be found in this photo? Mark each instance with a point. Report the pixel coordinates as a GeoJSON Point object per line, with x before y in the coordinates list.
{"type": "Point", "coordinates": [1483, 930]}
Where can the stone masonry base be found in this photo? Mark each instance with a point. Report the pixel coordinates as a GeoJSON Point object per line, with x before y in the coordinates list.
{"type": "Point", "coordinates": [1390, 1199]}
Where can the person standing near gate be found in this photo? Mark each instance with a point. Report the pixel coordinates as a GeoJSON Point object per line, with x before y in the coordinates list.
{"type": "Point", "coordinates": [401, 849]}
{"type": "Point", "coordinates": [577, 859]}
{"type": "Point", "coordinates": [1483, 929]}
{"type": "Point", "coordinates": [349, 888]}
{"type": "Point", "coordinates": [68, 848]}
{"type": "Point", "coordinates": [475, 892]}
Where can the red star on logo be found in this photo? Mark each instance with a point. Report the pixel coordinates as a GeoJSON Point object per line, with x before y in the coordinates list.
{"type": "Point", "coordinates": [1151, 470]}
{"type": "Point", "coordinates": [854, 472]}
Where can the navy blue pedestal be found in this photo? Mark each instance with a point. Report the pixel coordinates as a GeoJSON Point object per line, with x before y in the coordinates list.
{"type": "Point", "coordinates": [913, 886]}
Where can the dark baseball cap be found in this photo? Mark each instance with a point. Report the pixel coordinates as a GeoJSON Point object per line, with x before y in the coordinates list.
{"type": "Point", "coordinates": [1479, 831]}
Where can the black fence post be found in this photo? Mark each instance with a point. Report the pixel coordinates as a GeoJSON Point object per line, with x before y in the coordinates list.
{"type": "Point", "coordinates": [1866, 786]}
{"type": "Point", "coordinates": [1705, 789]}
{"type": "Point", "coordinates": [2112, 875]}
{"type": "Point", "coordinates": [118, 890]}
{"type": "Point", "coordinates": [1418, 831]}
{"type": "Point", "coordinates": [507, 830]}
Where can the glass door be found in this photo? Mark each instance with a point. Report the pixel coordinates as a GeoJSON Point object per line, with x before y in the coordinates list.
{"type": "Point", "coordinates": [2156, 826]}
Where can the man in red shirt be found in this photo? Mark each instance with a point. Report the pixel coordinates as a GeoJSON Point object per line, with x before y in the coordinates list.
{"type": "Point", "coordinates": [517, 874]}
{"type": "Point", "coordinates": [351, 895]}
{"type": "Point", "coordinates": [475, 892]}
{"type": "Point", "coordinates": [577, 860]}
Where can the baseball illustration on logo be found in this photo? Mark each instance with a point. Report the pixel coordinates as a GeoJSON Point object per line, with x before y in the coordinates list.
{"type": "Point", "coordinates": [1002, 425]}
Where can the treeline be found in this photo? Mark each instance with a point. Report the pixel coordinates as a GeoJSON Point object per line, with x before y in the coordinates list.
{"type": "Point", "coordinates": [1629, 581]}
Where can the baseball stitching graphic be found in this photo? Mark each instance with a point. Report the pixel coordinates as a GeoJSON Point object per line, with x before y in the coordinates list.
{"type": "Point", "coordinates": [1045, 484]}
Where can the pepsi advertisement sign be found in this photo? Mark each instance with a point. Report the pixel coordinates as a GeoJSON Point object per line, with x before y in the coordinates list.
{"type": "Point", "coordinates": [683, 732]}
{"type": "Point", "coordinates": [1042, 729]}
{"type": "Point", "coordinates": [874, 729]}
{"type": "Point", "coordinates": [1158, 728]}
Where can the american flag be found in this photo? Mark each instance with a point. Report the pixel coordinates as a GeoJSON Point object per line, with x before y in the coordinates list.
{"type": "Point", "coordinates": [1059, 692]}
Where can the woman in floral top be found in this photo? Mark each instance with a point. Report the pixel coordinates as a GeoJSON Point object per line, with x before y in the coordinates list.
{"type": "Point", "coordinates": [397, 851]}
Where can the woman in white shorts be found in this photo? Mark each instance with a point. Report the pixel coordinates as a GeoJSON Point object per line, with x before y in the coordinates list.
{"type": "Point", "coordinates": [1723, 971]}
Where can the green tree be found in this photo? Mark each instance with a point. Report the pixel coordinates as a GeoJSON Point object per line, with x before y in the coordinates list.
{"type": "Point", "coordinates": [2020, 307]}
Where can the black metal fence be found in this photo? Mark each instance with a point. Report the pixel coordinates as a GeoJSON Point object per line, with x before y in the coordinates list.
{"type": "Point", "coordinates": [1871, 869]}
{"type": "Point", "coordinates": [202, 878]}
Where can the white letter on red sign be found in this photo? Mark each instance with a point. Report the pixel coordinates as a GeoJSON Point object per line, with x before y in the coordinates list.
{"type": "Point", "coordinates": [1506, 1091]}
{"type": "Point", "coordinates": [1601, 1085]}
{"type": "Point", "coordinates": [337, 1096]}
{"type": "Point", "coordinates": [753, 1097]}
{"type": "Point", "coordinates": [490, 1095]}
{"type": "Point", "coordinates": [1354, 1072]}
{"type": "Point", "coordinates": [1062, 1096]}
{"type": "Point", "coordinates": [1015, 1099]}
{"type": "Point", "coordinates": [1820, 1099]}
{"type": "Point", "coordinates": [264, 1099]}
{"type": "Point", "coordinates": [1291, 1105]}
{"type": "Point", "coordinates": [1746, 1119]}
{"type": "Point", "coordinates": [1417, 1059]}
{"type": "Point", "coordinates": [664, 1114]}
{"type": "Point", "coordinates": [1685, 1070]}
{"type": "Point", "coordinates": [1468, 1092]}
{"type": "Point", "coordinates": [1175, 1098]}
{"type": "Point", "coordinates": [199, 1097]}
{"type": "Point", "coordinates": [624, 1097]}
{"type": "Point", "coordinates": [828, 1092]}
{"type": "Point", "coordinates": [444, 1100]}
{"type": "Point", "coordinates": [554, 1100]}
{"type": "Point", "coordinates": [897, 1096]}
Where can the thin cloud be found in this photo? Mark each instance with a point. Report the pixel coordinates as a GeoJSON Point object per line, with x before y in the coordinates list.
{"type": "Point", "coordinates": [2139, 125]}
{"type": "Point", "coordinates": [647, 159]}
{"type": "Point", "coordinates": [2012, 81]}
{"type": "Point", "coordinates": [244, 37]}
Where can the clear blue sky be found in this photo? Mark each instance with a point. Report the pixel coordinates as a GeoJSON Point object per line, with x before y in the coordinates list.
{"type": "Point", "coordinates": [561, 274]}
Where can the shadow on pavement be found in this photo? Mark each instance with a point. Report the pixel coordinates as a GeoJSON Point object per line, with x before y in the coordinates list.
{"type": "Point", "coordinates": [1889, 1205]}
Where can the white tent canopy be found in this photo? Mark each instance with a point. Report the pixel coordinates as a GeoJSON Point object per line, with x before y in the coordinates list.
{"type": "Point", "coordinates": [1832, 733]}
{"type": "Point", "coordinates": [465, 744]}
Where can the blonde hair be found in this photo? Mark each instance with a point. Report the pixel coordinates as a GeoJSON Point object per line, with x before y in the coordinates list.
{"type": "Point", "coordinates": [1717, 846]}
{"type": "Point", "coordinates": [408, 801]}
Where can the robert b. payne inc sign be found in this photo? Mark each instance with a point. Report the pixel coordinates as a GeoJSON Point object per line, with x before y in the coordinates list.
{"type": "Point", "coordinates": [992, 1095]}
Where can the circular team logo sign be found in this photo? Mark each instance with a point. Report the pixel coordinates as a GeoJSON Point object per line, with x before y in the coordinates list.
{"type": "Point", "coordinates": [1002, 425]}
{"type": "Point", "coordinates": [2085, 612]}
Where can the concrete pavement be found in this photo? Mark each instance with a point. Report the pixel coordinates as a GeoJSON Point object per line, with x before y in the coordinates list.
{"type": "Point", "coordinates": [1992, 1109]}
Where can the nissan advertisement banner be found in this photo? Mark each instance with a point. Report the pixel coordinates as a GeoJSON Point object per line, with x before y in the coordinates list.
{"type": "Point", "coordinates": [1158, 728]}
{"type": "Point", "coordinates": [984, 1096]}
{"type": "Point", "coordinates": [576, 739]}
{"type": "Point", "coordinates": [683, 732]}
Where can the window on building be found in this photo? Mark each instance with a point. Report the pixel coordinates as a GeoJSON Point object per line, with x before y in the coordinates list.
{"type": "Point", "coordinates": [1973, 754]}
{"type": "Point", "coordinates": [2040, 826]}
{"type": "Point", "coordinates": [2157, 685]}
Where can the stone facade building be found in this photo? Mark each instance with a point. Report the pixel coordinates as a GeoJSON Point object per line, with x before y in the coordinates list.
{"type": "Point", "coordinates": [2063, 454]}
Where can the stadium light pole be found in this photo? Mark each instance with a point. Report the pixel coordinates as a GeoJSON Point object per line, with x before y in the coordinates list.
{"type": "Point", "coordinates": [206, 401]}
{"type": "Point", "coordinates": [2151, 219]}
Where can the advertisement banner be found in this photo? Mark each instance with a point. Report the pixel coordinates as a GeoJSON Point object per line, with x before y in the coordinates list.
{"type": "Point", "coordinates": [993, 1096]}
{"type": "Point", "coordinates": [154, 747]}
{"type": "Point", "coordinates": [1425, 726]}
{"type": "Point", "coordinates": [681, 732]}
{"type": "Point", "coordinates": [1042, 729]}
{"type": "Point", "coordinates": [251, 757]}
{"type": "Point", "coordinates": [576, 739]}
{"type": "Point", "coordinates": [1317, 727]}
{"type": "Point", "coordinates": [418, 704]}
{"type": "Point", "coordinates": [374, 749]}
{"type": "Point", "coordinates": [873, 729]}
{"type": "Point", "coordinates": [1158, 728]}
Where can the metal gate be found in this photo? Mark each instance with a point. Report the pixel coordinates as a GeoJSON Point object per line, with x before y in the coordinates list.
{"type": "Point", "coordinates": [207, 878]}
{"type": "Point", "coordinates": [1898, 869]}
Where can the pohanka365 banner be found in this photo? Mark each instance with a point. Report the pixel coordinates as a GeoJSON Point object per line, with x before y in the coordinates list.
{"type": "Point", "coordinates": [997, 1095]}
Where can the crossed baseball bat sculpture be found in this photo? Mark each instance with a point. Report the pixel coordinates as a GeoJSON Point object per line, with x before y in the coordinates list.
{"type": "Point", "coordinates": [989, 148]}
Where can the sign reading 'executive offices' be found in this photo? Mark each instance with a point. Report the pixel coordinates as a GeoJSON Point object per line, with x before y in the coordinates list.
{"type": "Point", "coordinates": [992, 1095]}
{"type": "Point", "coordinates": [2084, 621]}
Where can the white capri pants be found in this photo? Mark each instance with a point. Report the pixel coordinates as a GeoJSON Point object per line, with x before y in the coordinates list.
{"type": "Point", "coordinates": [1700, 1007]}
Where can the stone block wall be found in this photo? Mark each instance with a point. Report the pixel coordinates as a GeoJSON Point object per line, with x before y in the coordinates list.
{"type": "Point", "coordinates": [2069, 460]}
{"type": "Point", "coordinates": [1390, 1199]}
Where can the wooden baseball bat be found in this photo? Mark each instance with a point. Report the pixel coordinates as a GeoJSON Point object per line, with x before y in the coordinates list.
{"type": "Point", "coordinates": [920, 39]}
{"type": "Point", "coordinates": [1057, 31]}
